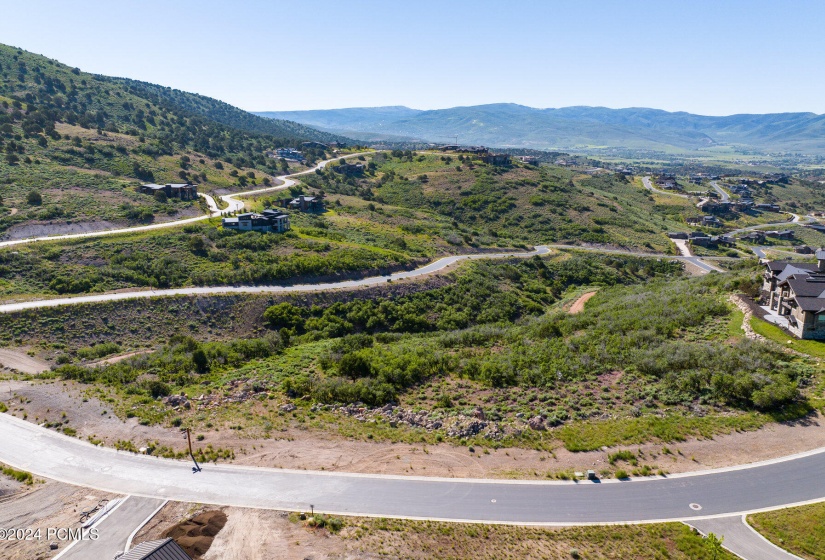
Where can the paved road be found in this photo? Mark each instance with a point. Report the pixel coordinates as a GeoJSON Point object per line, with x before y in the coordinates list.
{"type": "Point", "coordinates": [768, 485]}
{"type": "Point", "coordinates": [722, 193]}
{"type": "Point", "coordinates": [435, 266]}
{"type": "Point", "coordinates": [649, 186]}
{"type": "Point", "coordinates": [114, 530]}
{"type": "Point", "coordinates": [741, 538]}
{"type": "Point", "coordinates": [233, 204]}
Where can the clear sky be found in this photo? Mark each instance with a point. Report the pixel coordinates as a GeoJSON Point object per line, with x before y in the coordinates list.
{"type": "Point", "coordinates": [709, 57]}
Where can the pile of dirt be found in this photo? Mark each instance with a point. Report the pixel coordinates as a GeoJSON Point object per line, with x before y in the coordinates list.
{"type": "Point", "coordinates": [195, 535]}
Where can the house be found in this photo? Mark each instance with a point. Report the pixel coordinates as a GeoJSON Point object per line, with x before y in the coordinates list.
{"type": "Point", "coordinates": [496, 159]}
{"type": "Point", "coordinates": [693, 220]}
{"type": "Point", "coordinates": [767, 207]}
{"type": "Point", "coordinates": [289, 153]}
{"type": "Point", "coordinates": [711, 221]}
{"type": "Point", "coordinates": [726, 240]}
{"type": "Point", "coordinates": [703, 241]}
{"type": "Point", "coordinates": [677, 235]}
{"type": "Point", "coordinates": [754, 237]}
{"type": "Point", "coordinates": [306, 203]}
{"type": "Point", "coordinates": [163, 549]}
{"type": "Point", "coordinates": [183, 191]}
{"type": "Point", "coordinates": [817, 227]}
{"type": "Point", "coordinates": [784, 234]}
{"type": "Point", "coordinates": [797, 291]}
{"type": "Point", "coordinates": [803, 250]}
{"type": "Point", "coordinates": [529, 160]}
{"type": "Point", "coordinates": [273, 221]}
{"type": "Point", "coordinates": [349, 168]}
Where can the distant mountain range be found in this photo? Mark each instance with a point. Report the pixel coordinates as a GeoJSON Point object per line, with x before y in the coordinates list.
{"type": "Point", "coordinates": [570, 128]}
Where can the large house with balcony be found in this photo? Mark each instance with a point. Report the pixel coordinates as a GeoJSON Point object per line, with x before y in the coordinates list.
{"type": "Point", "coordinates": [797, 291]}
{"type": "Point", "coordinates": [273, 221]}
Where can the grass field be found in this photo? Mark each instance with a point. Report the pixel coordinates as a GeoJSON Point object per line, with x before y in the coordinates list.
{"type": "Point", "coordinates": [799, 530]}
{"type": "Point", "coordinates": [416, 540]}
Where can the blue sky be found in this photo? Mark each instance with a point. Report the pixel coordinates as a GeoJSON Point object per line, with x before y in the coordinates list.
{"type": "Point", "coordinates": [714, 58]}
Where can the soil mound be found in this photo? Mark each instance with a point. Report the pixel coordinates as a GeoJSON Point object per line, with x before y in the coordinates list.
{"type": "Point", "coordinates": [195, 535]}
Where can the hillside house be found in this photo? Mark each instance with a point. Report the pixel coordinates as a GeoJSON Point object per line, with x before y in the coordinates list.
{"type": "Point", "coordinates": [754, 237]}
{"type": "Point", "coordinates": [306, 203]}
{"type": "Point", "coordinates": [349, 168]}
{"type": "Point", "coordinates": [496, 159]}
{"type": "Point", "coordinates": [269, 221]}
{"type": "Point", "coordinates": [803, 250]}
{"type": "Point", "coordinates": [677, 235]}
{"type": "Point", "coordinates": [529, 160]}
{"type": "Point", "coordinates": [767, 207]}
{"type": "Point", "coordinates": [797, 291]}
{"type": "Point", "coordinates": [289, 153]}
{"type": "Point", "coordinates": [711, 221]}
{"type": "Point", "coordinates": [314, 145]}
{"type": "Point", "coordinates": [182, 191]}
{"type": "Point", "coordinates": [785, 234]}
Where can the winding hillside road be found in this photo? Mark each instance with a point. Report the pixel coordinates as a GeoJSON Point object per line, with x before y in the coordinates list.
{"type": "Point", "coordinates": [434, 266]}
{"type": "Point", "coordinates": [749, 488]}
{"type": "Point", "coordinates": [233, 205]}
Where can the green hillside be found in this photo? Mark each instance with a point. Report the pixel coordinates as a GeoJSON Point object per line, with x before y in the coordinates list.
{"type": "Point", "coordinates": [82, 143]}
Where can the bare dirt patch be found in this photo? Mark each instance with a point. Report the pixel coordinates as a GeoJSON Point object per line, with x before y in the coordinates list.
{"type": "Point", "coordinates": [46, 504]}
{"type": "Point", "coordinates": [195, 535]}
{"type": "Point", "coordinates": [22, 362]}
{"type": "Point", "coordinates": [13, 211]}
{"type": "Point", "coordinates": [578, 305]}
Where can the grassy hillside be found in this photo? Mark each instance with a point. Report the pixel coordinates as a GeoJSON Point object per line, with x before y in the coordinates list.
{"type": "Point", "coordinates": [84, 142]}
{"type": "Point", "coordinates": [494, 338]}
{"type": "Point", "coordinates": [515, 204]}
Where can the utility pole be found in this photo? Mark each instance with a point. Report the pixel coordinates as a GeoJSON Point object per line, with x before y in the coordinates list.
{"type": "Point", "coordinates": [197, 467]}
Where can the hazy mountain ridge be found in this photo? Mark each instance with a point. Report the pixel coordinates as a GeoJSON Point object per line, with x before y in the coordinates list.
{"type": "Point", "coordinates": [512, 125]}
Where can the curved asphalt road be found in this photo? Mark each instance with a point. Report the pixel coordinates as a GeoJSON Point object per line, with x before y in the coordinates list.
{"type": "Point", "coordinates": [434, 266]}
{"type": "Point", "coordinates": [768, 485]}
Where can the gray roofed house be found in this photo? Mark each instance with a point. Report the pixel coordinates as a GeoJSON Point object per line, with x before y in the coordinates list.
{"type": "Point", "coordinates": [797, 291]}
{"type": "Point", "coordinates": [164, 549]}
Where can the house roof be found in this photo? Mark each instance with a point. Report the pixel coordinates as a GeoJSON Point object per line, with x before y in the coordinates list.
{"type": "Point", "coordinates": [164, 549]}
{"type": "Point", "coordinates": [807, 286]}
{"type": "Point", "coordinates": [779, 266]}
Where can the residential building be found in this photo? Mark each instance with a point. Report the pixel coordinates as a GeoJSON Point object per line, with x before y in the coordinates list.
{"type": "Point", "coordinates": [349, 168]}
{"type": "Point", "coordinates": [306, 203]}
{"type": "Point", "coordinates": [797, 291]}
{"type": "Point", "coordinates": [317, 145]}
{"type": "Point", "coordinates": [273, 221]}
{"type": "Point", "coordinates": [183, 191]}
{"type": "Point", "coordinates": [754, 237]}
{"type": "Point", "coordinates": [677, 235]}
{"type": "Point", "coordinates": [785, 234]}
{"type": "Point", "coordinates": [289, 153]}
{"type": "Point", "coordinates": [529, 160]}
{"type": "Point", "coordinates": [496, 159]}
{"type": "Point", "coordinates": [767, 207]}
{"type": "Point", "coordinates": [803, 250]}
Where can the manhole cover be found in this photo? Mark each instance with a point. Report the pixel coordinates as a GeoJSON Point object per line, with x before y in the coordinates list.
{"type": "Point", "coordinates": [695, 507]}
{"type": "Point", "coordinates": [493, 500]}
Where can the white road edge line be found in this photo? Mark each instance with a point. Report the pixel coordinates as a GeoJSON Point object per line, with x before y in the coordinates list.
{"type": "Point", "coordinates": [68, 548]}
{"type": "Point", "coordinates": [142, 525]}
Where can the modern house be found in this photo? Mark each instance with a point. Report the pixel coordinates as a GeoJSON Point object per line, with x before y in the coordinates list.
{"type": "Point", "coordinates": [183, 191]}
{"type": "Point", "coordinates": [785, 234]}
{"type": "Point", "coordinates": [797, 291]}
{"type": "Point", "coordinates": [289, 153]}
{"type": "Point", "coordinates": [349, 168]}
{"type": "Point", "coordinates": [273, 221]}
{"type": "Point", "coordinates": [304, 203]}
{"type": "Point", "coordinates": [496, 159]}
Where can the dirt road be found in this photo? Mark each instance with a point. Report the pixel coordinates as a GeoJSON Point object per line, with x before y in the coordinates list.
{"type": "Point", "coordinates": [22, 362]}
{"type": "Point", "coordinates": [578, 305]}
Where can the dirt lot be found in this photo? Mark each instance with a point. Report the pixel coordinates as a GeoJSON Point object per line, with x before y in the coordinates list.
{"type": "Point", "coordinates": [63, 402]}
{"type": "Point", "coordinates": [45, 504]}
{"type": "Point", "coordinates": [17, 359]}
